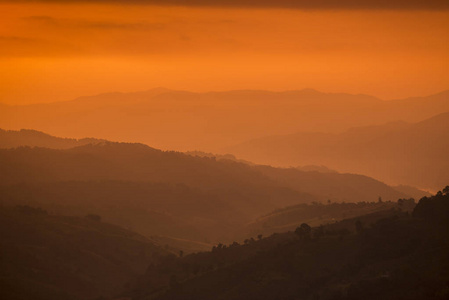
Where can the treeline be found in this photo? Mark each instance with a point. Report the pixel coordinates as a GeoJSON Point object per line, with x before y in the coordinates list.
{"type": "Point", "coordinates": [384, 255]}
{"type": "Point", "coordinates": [316, 214]}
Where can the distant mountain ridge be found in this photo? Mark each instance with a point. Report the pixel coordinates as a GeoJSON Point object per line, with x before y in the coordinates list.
{"type": "Point", "coordinates": [181, 120]}
{"type": "Point", "coordinates": [31, 138]}
{"type": "Point", "coordinates": [34, 138]}
{"type": "Point", "coordinates": [397, 153]}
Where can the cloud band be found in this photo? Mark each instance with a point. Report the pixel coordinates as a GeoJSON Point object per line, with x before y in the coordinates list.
{"type": "Point", "coordinates": [288, 4]}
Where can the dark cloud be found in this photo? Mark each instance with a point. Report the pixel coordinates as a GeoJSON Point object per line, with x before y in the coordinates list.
{"type": "Point", "coordinates": [88, 24]}
{"type": "Point", "coordinates": [293, 4]}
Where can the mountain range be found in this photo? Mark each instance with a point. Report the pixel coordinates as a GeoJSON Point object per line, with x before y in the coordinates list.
{"type": "Point", "coordinates": [165, 193]}
{"type": "Point", "coordinates": [396, 153]}
{"type": "Point", "coordinates": [180, 120]}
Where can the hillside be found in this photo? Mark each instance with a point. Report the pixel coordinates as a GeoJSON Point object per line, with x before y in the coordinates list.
{"type": "Point", "coordinates": [396, 153]}
{"type": "Point", "coordinates": [48, 257]}
{"type": "Point", "coordinates": [33, 138]}
{"type": "Point", "coordinates": [168, 193]}
{"type": "Point", "coordinates": [384, 255]}
{"type": "Point", "coordinates": [137, 162]}
{"type": "Point", "coordinates": [180, 120]}
{"type": "Point", "coordinates": [332, 186]}
{"type": "Point", "coordinates": [316, 214]}
{"type": "Point", "coordinates": [411, 191]}
{"type": "Point", "coordinates": [162, 209]}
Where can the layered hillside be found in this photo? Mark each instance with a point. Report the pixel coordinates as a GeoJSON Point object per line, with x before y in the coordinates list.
{"type": "Point", "coordinates": [33, 138]}
{"type": "Point", "coordinates": [49, 257]}
{"type": "Point", "coordinates": [383, 255]}
{"type": "Point", "coordinates": [316, 214]}
{"type": "Point", "coordinates": [396, 153]}
{"type": "Point", "coordinates": [179, 120]}
{"type": "Point", "coordinates": [168, 193]}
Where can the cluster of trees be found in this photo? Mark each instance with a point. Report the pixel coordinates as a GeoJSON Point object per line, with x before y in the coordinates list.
{"type": "Point", "coordinates": [304, 231]}
{"type": "Point", "coordinates": [434, 209]}
{"type": "Point", "coordinates": [316, 214]}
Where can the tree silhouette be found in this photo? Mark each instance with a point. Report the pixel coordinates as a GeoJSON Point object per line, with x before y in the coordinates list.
{"type": "Point", "coordinates": [446, 190]}
{"type": "Point", "coordinates": [304, 231]}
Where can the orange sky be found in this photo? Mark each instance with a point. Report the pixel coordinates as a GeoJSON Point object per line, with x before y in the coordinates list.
{"type": "Point", "coordinates": [52, 52]}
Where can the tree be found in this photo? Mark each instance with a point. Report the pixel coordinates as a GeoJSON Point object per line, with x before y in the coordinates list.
{"type": "Point", "coordinates": [446, 190]}
{"type": "Point", "coordinates": [304, 231]}
{"type": "Point", "coordinates": [234, 244]}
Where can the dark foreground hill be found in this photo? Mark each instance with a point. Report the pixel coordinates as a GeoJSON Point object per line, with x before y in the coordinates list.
{"type": "Point", "coordinates": [385, 255]}
{"type": "Point", "coordinates": [46, 257]}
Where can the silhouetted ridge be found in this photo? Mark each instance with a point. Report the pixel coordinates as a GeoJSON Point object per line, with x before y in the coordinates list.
{"type": "Point", "coordinates": [397, 153]}
{"type": "Point", "coordinates": [316, 214]}
{"type": "Point", "coordinates": [34, 138]}
{"type": "Point", "coordinates": [383, 255]}
{"type": "Point", "coordinates": [182, 120]}
{"type": "Point", "coordinates": [48, 257]}
{"type": "Point", "coordinates": [196, 198]}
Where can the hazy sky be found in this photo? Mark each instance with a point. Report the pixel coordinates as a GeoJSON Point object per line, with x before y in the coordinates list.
{"type": "Point", "coordinates": [58, 50]}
